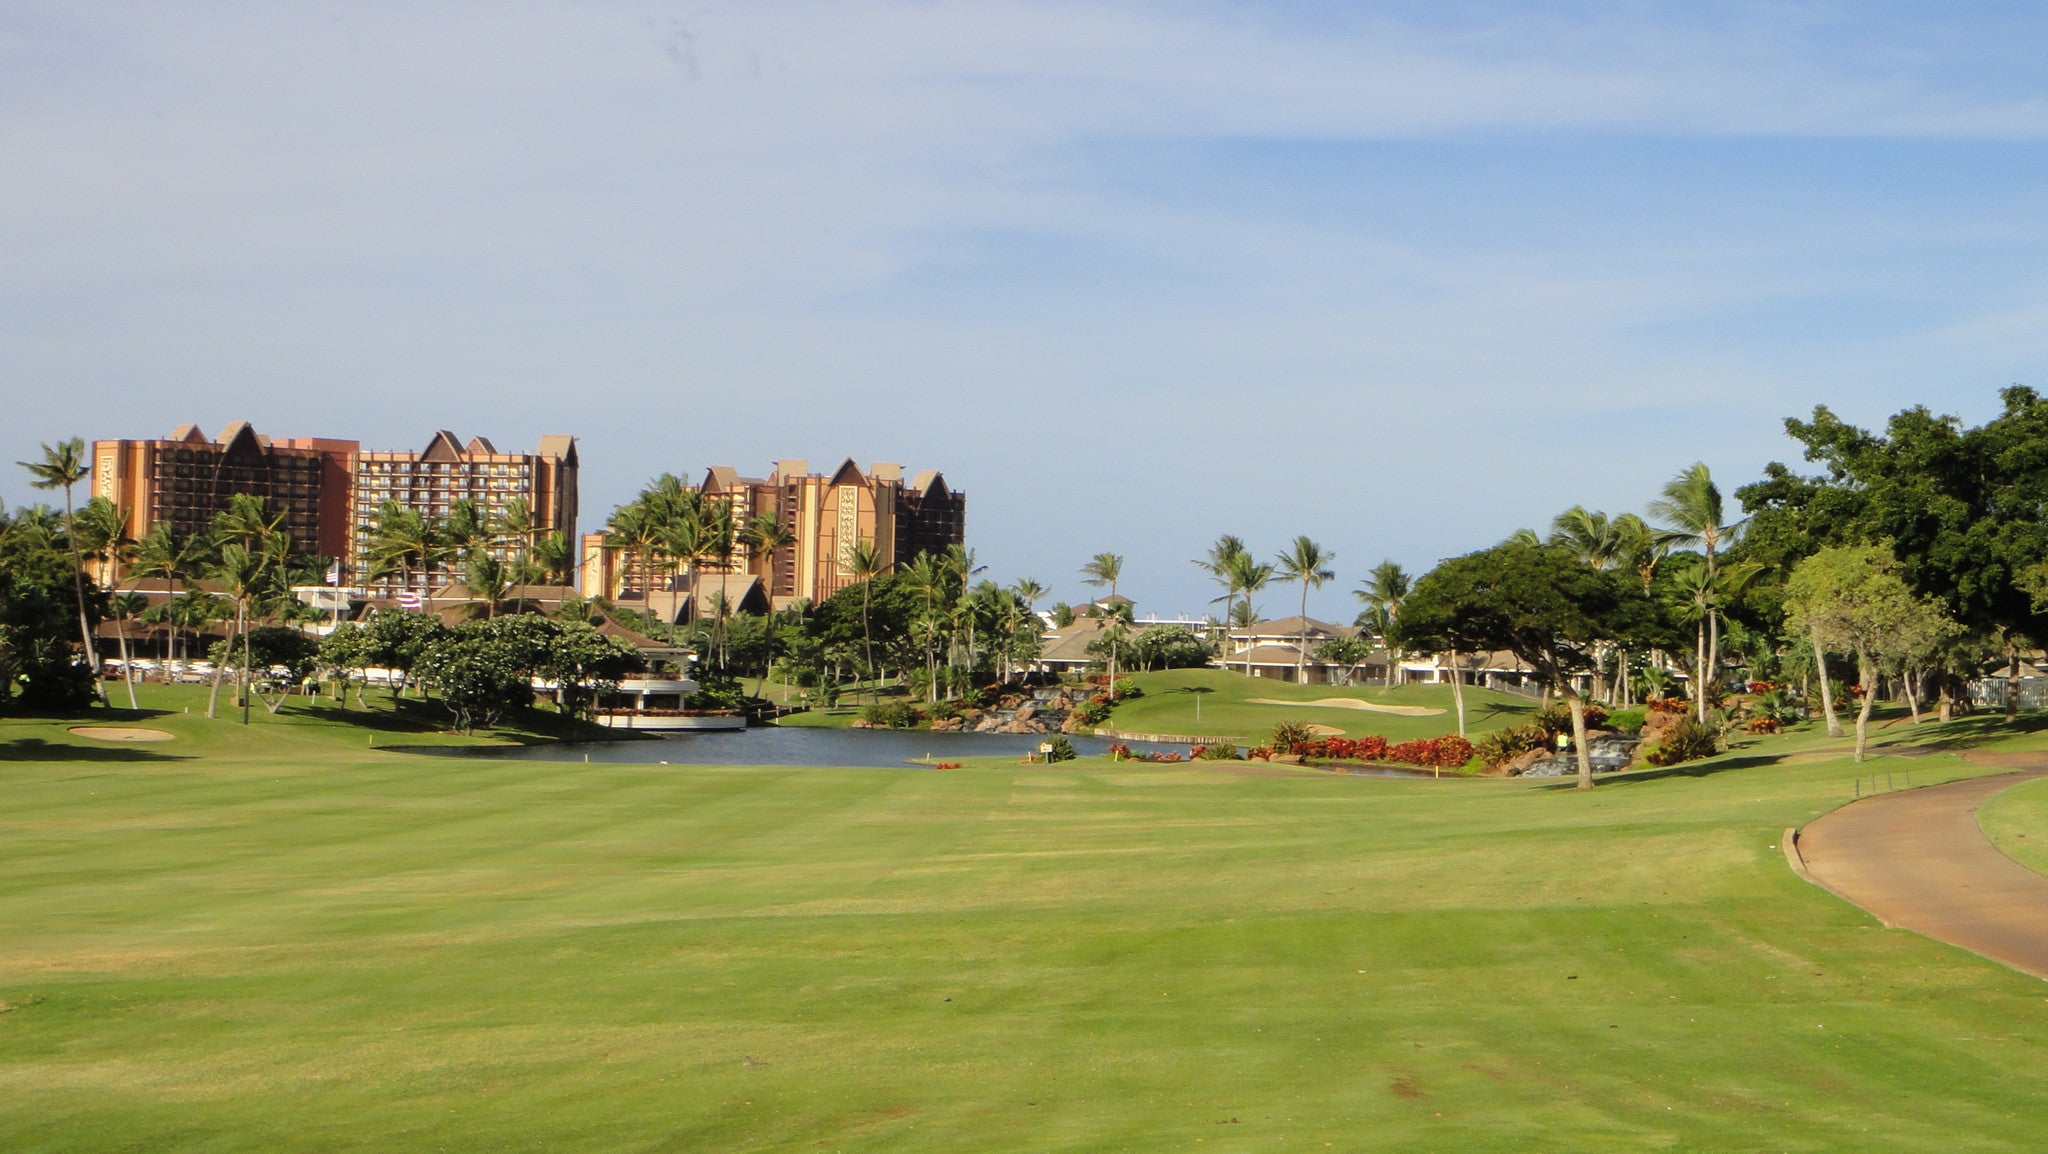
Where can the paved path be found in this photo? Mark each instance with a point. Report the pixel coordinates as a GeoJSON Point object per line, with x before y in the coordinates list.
{"type": "Point", "coordinates": [1917, 860]}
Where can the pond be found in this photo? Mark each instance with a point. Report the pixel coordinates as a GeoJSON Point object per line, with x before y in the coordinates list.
{"type": "Point", "coordinates": [773, 745]}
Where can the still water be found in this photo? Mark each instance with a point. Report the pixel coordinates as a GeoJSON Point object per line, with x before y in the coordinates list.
{"type": "Point", "coordinates": [773, 745]}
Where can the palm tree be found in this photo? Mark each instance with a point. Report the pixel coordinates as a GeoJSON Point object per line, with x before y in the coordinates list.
{"type": "Point", "coordinates": [1692, 514]}
{"type": "Point", "coordinates": [1027, 593]}
{"type": "Point", "coordinates": [63, 466]}
{"type": "Point", "coordinates": [407, 542]}
{"type": "Point", "coordinates": [467, 531]}
{"type": "Point", "coordinates": [863, 562]}
{"type": "Point", "coordinates": [163, 554]}
{"type": "Point", "coordinates": [1309, 563]}
{"type": "Point", "coordinates": [121, 608]}
{"type": "Point", "coordinates": [1249, 575]}
{"type": "Point", "coordinates": [1385, 587]}
{"type": "Point", "coordinates": [551, 560]}
{"type": "Point", "coordinates": [1221, 565]}
{"type": "Point", "coordinates": [484, 577]}
{"type": "Point", "coordinates": [1641, 549]}
{"type": "Point", "coordinates": [1589, 535]}
{"type": "Point", "coordinates": [926, 574]}
{"type": "Point", "coordinates": [1105, 569]}
{"type": "Point", "coordinates": [243, 572]}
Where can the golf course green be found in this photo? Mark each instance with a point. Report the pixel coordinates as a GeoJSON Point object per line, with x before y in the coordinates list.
{"type": "Point", "coordinates": [282, 938]}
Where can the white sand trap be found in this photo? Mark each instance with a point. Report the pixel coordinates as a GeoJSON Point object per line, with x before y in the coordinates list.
{"type": "Point", "coordinates": [1325, 731]}
{"type": "Point", "coordinates": [1351, 703]}
{"type": "Point", "coordinates": [121, 733]}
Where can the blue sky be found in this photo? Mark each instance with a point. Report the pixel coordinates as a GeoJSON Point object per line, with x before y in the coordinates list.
{"type": "Point", "coordinates": [1403, 277]}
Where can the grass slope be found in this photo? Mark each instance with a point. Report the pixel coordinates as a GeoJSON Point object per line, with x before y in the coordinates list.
{"type": "Point", "coordinates": [290, 941]}
{"type": "Point", "coordinates": [1227, 709]}
{"type": "Point", "coordinates": [2016, 821]}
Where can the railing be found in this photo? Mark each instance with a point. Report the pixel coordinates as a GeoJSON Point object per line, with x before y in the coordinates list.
{"type": "Point", "coordinates": [1890, 783]}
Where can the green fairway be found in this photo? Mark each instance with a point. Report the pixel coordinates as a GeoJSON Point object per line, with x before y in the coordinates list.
{"type": "Point", "coordinates": [2016, 821]}
{"type": "Point", "coordinates": [1227, 707]}
{"type": "Point", "coordinates": [282, 939]}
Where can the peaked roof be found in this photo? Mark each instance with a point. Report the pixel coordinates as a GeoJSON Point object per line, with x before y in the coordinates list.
{"type": "Point", "coordinates": [561, 446]}
{"type": "Point", "coordinates": [189, 434]}
{"type": "Point", "coordinates": [481, 445]}
{"type": "Point", "coordinates": [848, 474]}
{"type": "Point", "coordinates": [444, 447]}
{"type": "Point", "coordinates": [1286, 627]}
{"type": "Point", "coordinates": [929, 482]}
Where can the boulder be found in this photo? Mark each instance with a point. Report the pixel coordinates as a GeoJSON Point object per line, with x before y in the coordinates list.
{"type": "Point", "coordinates": [861, 723]}
{"type": "Point", "coordinates": [949, 725]}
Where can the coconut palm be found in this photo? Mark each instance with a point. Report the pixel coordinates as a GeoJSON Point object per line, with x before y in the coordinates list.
{"type": "Point", "coordinates": [1692, 514]}
{"type": "Point", "coordinates": [1588, 534]}
{"type": "Point", "coordinates": [123, 608]}
{"type": "Point", "coordinates": [1385, 587]}
{"type": "Point", "coordinates": [1309, 563]}
{"type": "Point", "coordinates": [63, 466]}
{"type": "Point", "coordinates": [551, 561]}
{"type": "Point", "coordinates": [406, 541]}
{"type": "Point", "coordinates": [863, 562]}
{"type": "Point", "coordinates": [467, 530]}
{"type": "Point", "coordinates": [486, 579]}
{"type": "Point", "coordinates": [243, 574]}
{"type": "Point", "coordinates": [1249, 575]}
{"type": "Point", "coordinates": [1221, 565]}
{"type": "Point", "coordinates": [1105, 569]}
{"type": "Point", "coordinates": [164, 555]}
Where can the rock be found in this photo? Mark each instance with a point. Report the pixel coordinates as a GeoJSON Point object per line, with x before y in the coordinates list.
{"type": "Point", "coordinates": [861, 723]}
{"type": "Point", "coordinates": [1071, 725]}
{"type": "Point", "coordinates": [1026, 711]}
{"type": "Point", "coordinates": [1520, 763]}
{"type": "Point", "coordinates": [988, 724]}
{"type": "Point", "coordinates": [949, 725]}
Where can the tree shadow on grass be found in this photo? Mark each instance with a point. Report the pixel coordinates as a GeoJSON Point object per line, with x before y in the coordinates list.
{"type": "Point", "coordinates": [37, 749]}
{"type": "Point", "coordinates": [1704, 768]}
{"type": "Point", "coordinates": [1962, 733]}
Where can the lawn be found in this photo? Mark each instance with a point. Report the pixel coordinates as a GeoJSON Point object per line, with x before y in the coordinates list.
{"type": "Point", "coordinates": [2016, 821]}
{"type": "Point", "coordinates": [281, 938]}
{"type": "Point", "coordinates": [1228, 709]}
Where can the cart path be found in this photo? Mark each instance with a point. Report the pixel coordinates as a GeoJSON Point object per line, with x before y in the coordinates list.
{"type": "Point", "coordinates": [1917, 860]}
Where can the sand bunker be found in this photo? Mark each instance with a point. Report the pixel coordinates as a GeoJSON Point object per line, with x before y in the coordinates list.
{"type": "Point", "coordinates": [120, 733]}
{"type": "Point", "coordinates": [1351, 703]}
{"type": "Point", "coordinates": [1325, 731]}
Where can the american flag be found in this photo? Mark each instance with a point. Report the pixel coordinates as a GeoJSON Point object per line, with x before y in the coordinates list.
{"type": "Point", "coordinates": [407, 599]}
{"type": "Point", "coordinates": [334, 573]}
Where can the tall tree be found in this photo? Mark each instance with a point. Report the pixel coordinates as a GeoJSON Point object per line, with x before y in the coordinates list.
{"type": "Point", "coordinates": [1692, 513]}
{"type": "Point", "coordinates": [1249, 575]}
{"type": "Point", "coordinates": [63, 466]}
{"type": "Point", "coordinates": [863, 562]}
{"type": "Point", "coordinates": [1308, 563]}
{"type": "Point", "coordinates": [1105, 569]}
{"type": "Point", "coordinates": [1223, 565]}
{"type": "Point", "coordinates": [1852, 596]}
{"type": "Point", "coordinates": [1538, 602]}
{"type": "Point", "coordinates": [1385, 587]}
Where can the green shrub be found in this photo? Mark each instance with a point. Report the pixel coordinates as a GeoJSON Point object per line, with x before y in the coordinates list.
{"type": "Point", "coordinates": [1289, 734]}
{"type": "Point", "coordinates": [1627, 720]}
{"type": "Point", "coordinates": [1093, 711]}
{"type": "Point", "coordinates": [1556, 718]}
{"type": "Point", "coordinates": [1062, 750]}
{"type": "Point", "coordinates": [889, 715]}
{"type": "Point", "coordinates": [1500, 746]}
{"type": "Point", "coordinates": [1687, 741]}
{"type": "Point", "coordinates": [1220, 751]}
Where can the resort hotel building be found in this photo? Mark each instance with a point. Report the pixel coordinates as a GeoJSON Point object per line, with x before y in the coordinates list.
{"type": "Point", "coordinates": [328, 491]}
{"type": "Point", "coordinates": [821, 515]}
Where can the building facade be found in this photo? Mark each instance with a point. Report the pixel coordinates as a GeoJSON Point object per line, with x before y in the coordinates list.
{"type": "Point", "coordinates": [448, 470]}
{"type": "Point", "coordinates": [185, 479]}
{"type": "Point", "coordinates": [821, 515]}
{"type": "Point", "coordinates": [328, 491]}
